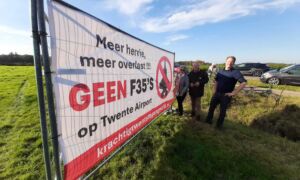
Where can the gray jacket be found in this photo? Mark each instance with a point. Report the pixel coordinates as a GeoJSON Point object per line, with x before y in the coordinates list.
{"type": "Point", "coordinates": [183, 85]}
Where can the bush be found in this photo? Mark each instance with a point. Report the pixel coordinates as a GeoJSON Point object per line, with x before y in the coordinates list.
{"type": "Point", "coordinates": [277, 65]}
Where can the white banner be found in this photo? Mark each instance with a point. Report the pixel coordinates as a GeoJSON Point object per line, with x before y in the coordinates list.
{"type": "Point", "coordinates": [108, 85]}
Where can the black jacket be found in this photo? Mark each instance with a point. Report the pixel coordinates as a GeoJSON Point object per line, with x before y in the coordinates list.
{"type": "Point", "coordinates": [201, 77]}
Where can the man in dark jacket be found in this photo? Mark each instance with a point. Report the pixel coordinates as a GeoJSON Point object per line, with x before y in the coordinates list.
{"type": "Point", "coordinates": [224, 90]}
{"type": "Point", "coordinates": [198, 79]}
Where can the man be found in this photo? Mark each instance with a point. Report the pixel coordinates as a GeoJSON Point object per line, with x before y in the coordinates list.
{"type": "Point", "coordinates": [181, 86]}
{"type": "Point", "coordinates": [198, 79]}
{"type": "Point", "coordinates": [224, 90]}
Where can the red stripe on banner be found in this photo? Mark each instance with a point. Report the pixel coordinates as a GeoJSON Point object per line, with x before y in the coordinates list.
{"type": "Point", "coordinates": [104, 148]}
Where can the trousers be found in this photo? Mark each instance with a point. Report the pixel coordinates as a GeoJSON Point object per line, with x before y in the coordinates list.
{"type": "Point", "coordinates": [180, 100]}
{"type": "Point", "coordinates": [224, 101]}
{"type": "Point", "coordinates": [196, 105]}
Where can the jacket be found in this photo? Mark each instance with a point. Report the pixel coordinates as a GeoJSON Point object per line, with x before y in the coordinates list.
{"type": "Point", "coordinates": [182, 85]}
{"type": "Point", "coordinates": [202, 78]}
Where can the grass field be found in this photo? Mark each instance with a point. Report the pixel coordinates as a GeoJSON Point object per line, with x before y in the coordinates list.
{"type": "Point", "coordinates": [20, 139]}
{"type": "Point", "coordinates": [173, 147]}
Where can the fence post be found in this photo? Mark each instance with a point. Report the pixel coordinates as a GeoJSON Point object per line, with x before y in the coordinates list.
{"type": "Point", "coordinates": [40, 89]}
{"type": "Point", "coordinates": [47, 70]}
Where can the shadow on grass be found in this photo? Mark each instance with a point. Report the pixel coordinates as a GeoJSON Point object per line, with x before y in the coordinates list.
{"type": "Point", "coordinates": [196, 152]}
{"type": "Point", "coordinates": [285, 123]}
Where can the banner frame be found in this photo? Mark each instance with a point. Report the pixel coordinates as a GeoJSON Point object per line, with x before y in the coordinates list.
{"type": "Point", "coordinates": [40, 88]}
{"type": "Point", "coordinates": [49, 89]}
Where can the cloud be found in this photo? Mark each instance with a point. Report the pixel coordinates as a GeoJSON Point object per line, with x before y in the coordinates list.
{"type": "Point", "coordinates": [174, 38]}
{"type": "Point", "coordinates": [13, 31]}
{"type": "Point", "coordinates": [210, 11]}
{"type": "Point", "coordinates": [128, 7]}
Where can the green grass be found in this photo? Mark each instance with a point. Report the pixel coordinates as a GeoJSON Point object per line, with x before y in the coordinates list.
{"type": "Point", "coordinates": [173, 147]}
{"type": "Point", "coordinates": [20, 139]}
{"type": "Point", "coordinates": [258, 83]}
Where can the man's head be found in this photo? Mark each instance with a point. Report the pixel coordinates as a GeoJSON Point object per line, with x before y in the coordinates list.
{"type": "Point", "coordinates": [196, 66]}
{"type": "Point", "coordinates": [182, 69]}
{"type": "Point", "coordinates": [230, 60]}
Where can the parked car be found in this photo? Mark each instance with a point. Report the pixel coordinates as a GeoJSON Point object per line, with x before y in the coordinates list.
{"type": "Point", "coordinates": [252, 69]}
{"type": "Point", "coordinates": [288, 75]}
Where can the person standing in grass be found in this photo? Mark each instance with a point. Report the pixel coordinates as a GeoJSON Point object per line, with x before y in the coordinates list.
{"type": "Point", "coordinates": [181, 85]}
{"type": "Point", "coordinates": [224, 90]}
{"type": "Point", "coordinates": [198, 78]}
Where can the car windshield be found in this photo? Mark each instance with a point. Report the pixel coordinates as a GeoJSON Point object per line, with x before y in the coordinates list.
{"type": "Point", "coordinates": [286, 68]}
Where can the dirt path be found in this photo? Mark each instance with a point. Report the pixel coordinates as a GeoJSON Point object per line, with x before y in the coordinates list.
{"type": "Point", "coordinates": [276, 91]}
{"type": "Point", "coordinates": [286, 93]}
{"type": "Point", "coordinates": [252, 77]}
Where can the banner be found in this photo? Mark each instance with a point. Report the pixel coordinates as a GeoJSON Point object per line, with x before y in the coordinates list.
{"type": "Point", "coordinates": [108, 85]}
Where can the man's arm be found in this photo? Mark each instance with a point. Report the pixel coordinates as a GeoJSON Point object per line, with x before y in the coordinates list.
{"type": "Point", "coordinates": [237, 90]}
{"type": "Point", "coordinates": [190, 78]}
{"type": "Point", "coordinates": [240, 78]}
{"type": "Point", "coordinates": [215, 87]}
{"type": "Point", "coordinates": [185, 87]}
{"type": "Point", "coordinates": [205, 78]}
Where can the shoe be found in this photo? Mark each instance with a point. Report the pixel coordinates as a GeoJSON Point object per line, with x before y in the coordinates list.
{"type": "Point", "coordinates": [208, 121]}
{"type": "Point", "coordinates": [219, 128]}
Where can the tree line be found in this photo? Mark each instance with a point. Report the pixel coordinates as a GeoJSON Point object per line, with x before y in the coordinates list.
{"type": "Point", "coordinates": [14, 59]}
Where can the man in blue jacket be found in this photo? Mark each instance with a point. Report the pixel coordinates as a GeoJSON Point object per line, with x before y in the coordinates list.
{"type": "Point", "coordinates": [224, 90]}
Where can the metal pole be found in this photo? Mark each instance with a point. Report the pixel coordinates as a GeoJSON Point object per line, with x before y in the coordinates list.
{"type": "Point", "coordinates": [172, 74]}
{"type": "Point", "coordinates": [47, 70]}
{"type": "Point", "coordinates": [40, 89]}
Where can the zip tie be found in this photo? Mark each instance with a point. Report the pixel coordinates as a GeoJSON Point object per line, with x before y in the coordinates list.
{"type": "Point", "coordinates": [43, 33]}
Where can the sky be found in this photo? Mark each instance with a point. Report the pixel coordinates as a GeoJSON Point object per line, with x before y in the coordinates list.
{"type": "Point", "coordinates": [209, 30]}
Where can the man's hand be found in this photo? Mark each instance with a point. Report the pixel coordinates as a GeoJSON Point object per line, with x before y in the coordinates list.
{"type": "Point", "coordinates": [230, 94]}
